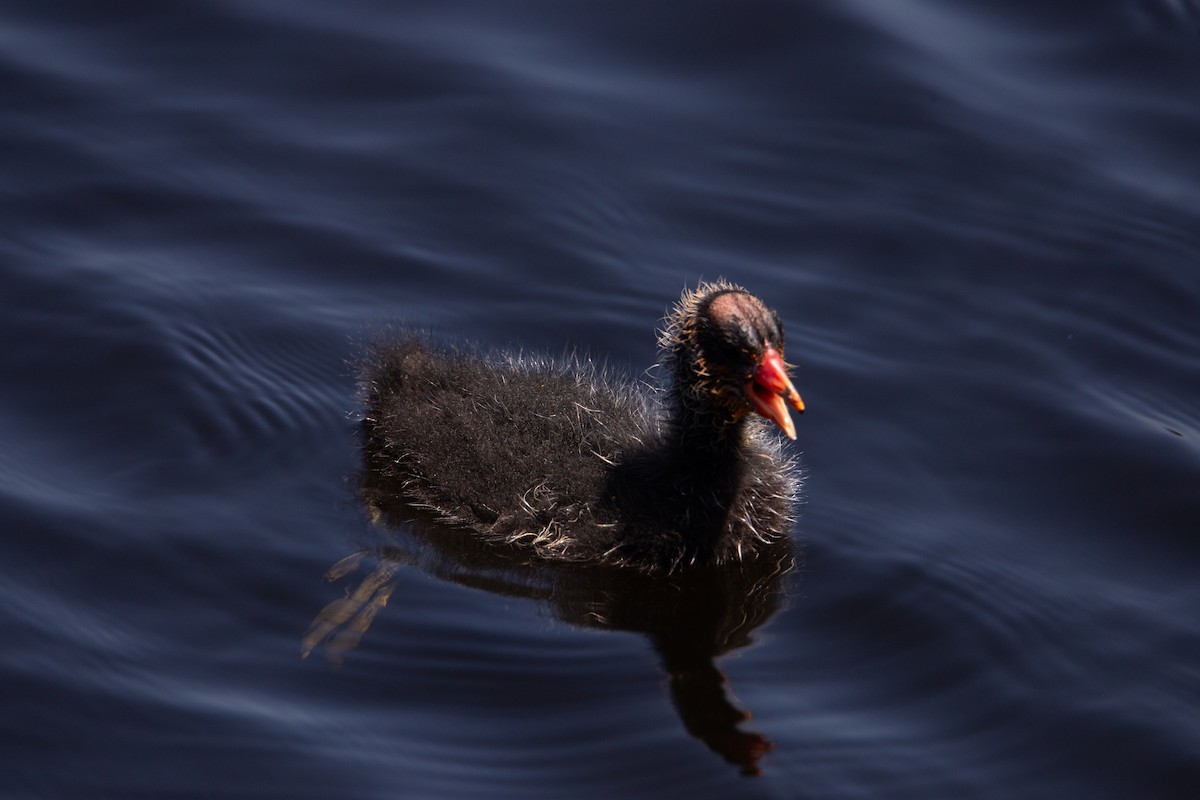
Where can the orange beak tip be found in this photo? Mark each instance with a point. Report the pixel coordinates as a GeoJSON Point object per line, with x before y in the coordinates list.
{"type": "Point", "coordinates": [770, 392]}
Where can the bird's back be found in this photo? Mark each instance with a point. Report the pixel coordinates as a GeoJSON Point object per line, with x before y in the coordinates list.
{"type": "Point", "coordinates": [520, 450]}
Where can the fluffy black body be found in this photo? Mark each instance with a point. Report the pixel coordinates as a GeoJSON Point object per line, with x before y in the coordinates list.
{"type": "Point", "coordinates": [560, 458]}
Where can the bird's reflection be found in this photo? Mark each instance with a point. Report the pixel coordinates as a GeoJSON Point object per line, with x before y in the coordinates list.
{"type": "Point", "coordinates": [691, 618]}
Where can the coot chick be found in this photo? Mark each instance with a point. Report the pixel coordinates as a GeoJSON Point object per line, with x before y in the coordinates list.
{"type": "Point", "coordinates": [562, 459]}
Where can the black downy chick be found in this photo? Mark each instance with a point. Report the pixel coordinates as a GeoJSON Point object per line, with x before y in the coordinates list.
{"type": "Point", "coordinates": [563, 460]}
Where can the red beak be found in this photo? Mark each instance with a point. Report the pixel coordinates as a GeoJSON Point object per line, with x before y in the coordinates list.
{"type": "Point", "coordinates": [770, 392]}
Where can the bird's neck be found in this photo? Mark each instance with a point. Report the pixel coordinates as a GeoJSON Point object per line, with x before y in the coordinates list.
{"type": "Point", "coordinates": [698, 425]}
{"type": "Point", "coordinates": [707, 449]}
{"type": "Point", "coordinates": [704, 432]}
{"type": "Point", "coordinates": [706, 461]}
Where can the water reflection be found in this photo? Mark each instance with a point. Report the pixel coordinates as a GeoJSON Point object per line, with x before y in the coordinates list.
{"type": "Point", "coordinates": [691, 619]}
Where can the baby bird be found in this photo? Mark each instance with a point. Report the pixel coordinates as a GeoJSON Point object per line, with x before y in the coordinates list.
{"type": "Point", "coordinates": [563, 460]}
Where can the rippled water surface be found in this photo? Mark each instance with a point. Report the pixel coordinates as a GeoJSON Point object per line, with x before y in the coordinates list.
{"type": "Point", "coordinates": [980, 222]}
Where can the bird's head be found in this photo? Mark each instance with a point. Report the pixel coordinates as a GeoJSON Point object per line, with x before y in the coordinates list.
{"type": "Point", "coordinates": [727, 347]}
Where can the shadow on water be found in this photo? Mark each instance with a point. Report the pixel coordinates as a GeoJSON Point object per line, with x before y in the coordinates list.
{"type": "Point", "coordinates": [691, 618]}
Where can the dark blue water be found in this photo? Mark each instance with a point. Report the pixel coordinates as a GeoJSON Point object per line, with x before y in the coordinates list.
{"type": "Point", "coordinates": [980, 222]}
